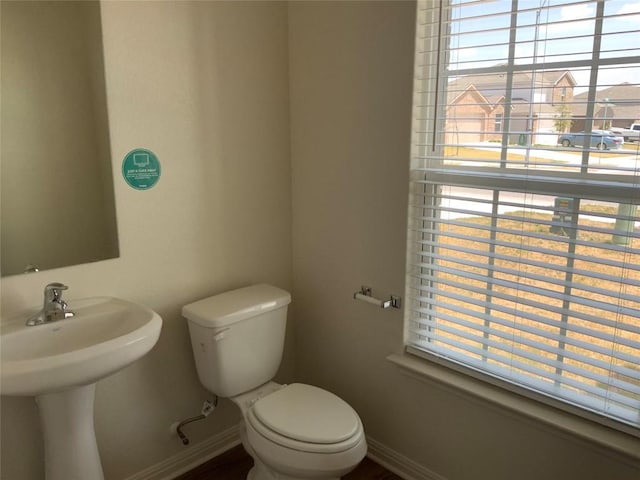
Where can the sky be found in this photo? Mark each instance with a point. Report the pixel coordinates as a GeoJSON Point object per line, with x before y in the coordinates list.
{"type": "Point", "coordinates": [564, 29]}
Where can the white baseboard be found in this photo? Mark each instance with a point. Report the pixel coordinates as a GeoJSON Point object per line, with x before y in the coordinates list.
{"type": "Point", "coordinates": [195, 455]}
{"type": "Point", "coordinates": [191, 457]}
{"type": "Point", "coordinates": [398, 463]}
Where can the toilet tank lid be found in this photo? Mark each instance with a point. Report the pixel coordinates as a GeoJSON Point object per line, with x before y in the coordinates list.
{"type": "Point", "coordinates": [236, 305]}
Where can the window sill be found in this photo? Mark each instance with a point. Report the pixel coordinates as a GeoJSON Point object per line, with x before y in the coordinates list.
{"type": "Point", "coordinates": [624, 447]}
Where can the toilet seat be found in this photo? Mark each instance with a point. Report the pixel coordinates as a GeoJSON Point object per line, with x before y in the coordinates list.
{"type": "Point", "coordinates": [306, 418]}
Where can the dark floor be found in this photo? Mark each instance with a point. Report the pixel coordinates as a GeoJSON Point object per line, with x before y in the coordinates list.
{"type": "Point", "coordinates": [236, 463]}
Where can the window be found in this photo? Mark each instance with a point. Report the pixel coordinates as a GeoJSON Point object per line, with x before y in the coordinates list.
{"type": "Point", "coordinates": [524, 253]}
{"type": "Point", "coordinates": [498, 123]}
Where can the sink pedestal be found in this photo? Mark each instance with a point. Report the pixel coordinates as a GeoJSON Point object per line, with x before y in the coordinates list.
{"type": "Point", "coordinates": [71, 451]}
{"type": "Point", "coordinates": [59, 363]}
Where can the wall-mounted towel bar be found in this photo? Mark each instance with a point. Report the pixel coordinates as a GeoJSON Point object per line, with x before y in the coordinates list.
{"type": "Point", "coordinates": [365, 295]}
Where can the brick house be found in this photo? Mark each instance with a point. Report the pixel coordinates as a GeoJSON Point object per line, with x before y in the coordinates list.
{"type": "Point", "coordinates": [616, 106]}
{"type": "Point", "coordinates": [476, 106]}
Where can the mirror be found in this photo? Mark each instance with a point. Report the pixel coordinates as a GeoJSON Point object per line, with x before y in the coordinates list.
{"type": "Point", "coordinates": [57, 202]}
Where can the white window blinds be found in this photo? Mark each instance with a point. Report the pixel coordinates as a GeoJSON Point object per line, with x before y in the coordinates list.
{"type": "Point", "coordinates": [524, 241]}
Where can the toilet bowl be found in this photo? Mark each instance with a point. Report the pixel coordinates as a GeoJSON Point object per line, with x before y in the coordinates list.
{"type": "Point", "coordinates": [294, 431]}
{"type": "Point", "coordinates": [301, 431]}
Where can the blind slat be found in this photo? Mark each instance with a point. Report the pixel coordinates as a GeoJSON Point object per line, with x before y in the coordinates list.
{"type": "Point", "coordinates": [613, 188]}
{"type": "Point", "coordinates": [550, 335]}
{"type": "Point", "coordinates": [518, 369]}
{"type": "Point", "coordinates": [551, 311]}
{"type": "Point", "coordinates": [610, 305]}
{"type": "Point", "coordinates": [531, 362]}
{"type": "Point", "coordinates": [541, 250]}
{"type": "Point", "coordinates": [560, 269]}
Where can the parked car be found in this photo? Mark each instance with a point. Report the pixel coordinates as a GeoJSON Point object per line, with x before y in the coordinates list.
{"type": "Point", "coordinates": [631, 134]}
{"type": "Point", "coordinates": [600, 139]}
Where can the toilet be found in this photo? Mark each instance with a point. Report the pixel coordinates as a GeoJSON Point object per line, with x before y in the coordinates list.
{"type": "Point", "coordinates": [294, 431]}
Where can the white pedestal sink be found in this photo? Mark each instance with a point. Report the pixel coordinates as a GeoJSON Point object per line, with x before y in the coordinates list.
{"type": "Point", "coordinates": [59, 363]}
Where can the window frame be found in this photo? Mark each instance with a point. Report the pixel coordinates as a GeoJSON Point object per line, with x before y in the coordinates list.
{"type": "Point", "coordinates": [497, 124]}
{"type": "Point", "coordinates": [437, 121]}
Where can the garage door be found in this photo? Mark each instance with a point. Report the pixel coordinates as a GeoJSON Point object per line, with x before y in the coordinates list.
{"type": "Point", "coordinates": [464, 130]}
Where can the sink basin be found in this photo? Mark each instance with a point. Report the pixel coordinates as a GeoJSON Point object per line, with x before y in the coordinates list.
{"type": "Point", "coordinates": [105, 335]}
{"type": "Point", "coordinates": [60, 362]}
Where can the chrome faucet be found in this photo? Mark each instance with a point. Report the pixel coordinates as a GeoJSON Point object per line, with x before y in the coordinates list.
{"type": "Point", "coordinates": [54, 308]}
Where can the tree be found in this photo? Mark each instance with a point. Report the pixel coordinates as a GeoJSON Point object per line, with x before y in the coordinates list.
{"type": "Point", "coordinates": [562, 120]}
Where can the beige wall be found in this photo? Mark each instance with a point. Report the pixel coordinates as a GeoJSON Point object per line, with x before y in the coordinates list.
{"type": "Point", "coordinates": [204, 86]}
{"type": "Point", "coordinates": [350, 66]}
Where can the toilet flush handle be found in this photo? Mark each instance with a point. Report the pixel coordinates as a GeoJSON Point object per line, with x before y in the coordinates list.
{"type": "Point", "coordinates": [220, 334]}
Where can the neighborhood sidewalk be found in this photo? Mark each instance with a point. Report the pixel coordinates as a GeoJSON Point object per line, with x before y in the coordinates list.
{"type": "Point", "coordinates": [625, 158]}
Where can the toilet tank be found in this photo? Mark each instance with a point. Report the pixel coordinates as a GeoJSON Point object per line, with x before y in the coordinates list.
{"type": "Point", "coordinates": [238, 337]}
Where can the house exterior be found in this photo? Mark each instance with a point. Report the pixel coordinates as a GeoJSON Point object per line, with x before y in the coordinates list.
{"type": "Point", "coordinates": [476, 106]}
{"type": "Point", "coordinates": [616, 106]}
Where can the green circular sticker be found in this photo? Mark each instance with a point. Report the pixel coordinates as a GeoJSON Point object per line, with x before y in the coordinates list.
{"type": "Point", "coordinates": [141, 169]}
